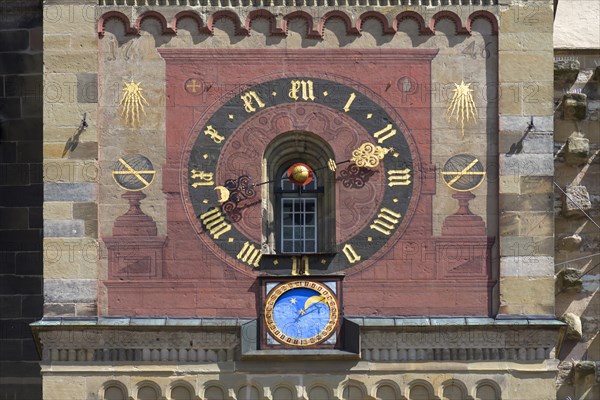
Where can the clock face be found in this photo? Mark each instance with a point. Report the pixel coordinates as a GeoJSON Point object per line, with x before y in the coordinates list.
{"type": "Point", "coordinates": [301, 313]}
{"type": "Point", "coordinates": [373, 205]}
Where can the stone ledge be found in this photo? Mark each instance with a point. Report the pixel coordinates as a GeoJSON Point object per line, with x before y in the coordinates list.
{"type": "Point", "coordinates": [207, 340]}
{"type": "Point", "coordinates": [367, 322]}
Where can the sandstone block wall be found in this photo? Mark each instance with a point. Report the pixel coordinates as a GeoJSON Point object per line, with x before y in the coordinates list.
{"type": "Point", "coordinates": [577, 213]}
{"type": "Point", "coordinates": [70, 159]}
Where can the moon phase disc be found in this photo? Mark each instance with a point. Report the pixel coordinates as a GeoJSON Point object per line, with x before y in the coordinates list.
{"type": "Point", "coordinates": [133, 172]}
{"type": "Point", "coordinates": [463, 172]}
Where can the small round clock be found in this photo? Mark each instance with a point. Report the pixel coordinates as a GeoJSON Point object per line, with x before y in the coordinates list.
{"type": "Point", "coordinates": [301, 313]}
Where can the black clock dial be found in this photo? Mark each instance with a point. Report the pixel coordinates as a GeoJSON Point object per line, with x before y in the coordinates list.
{"type": "Point", "coordinates": [220, 226]}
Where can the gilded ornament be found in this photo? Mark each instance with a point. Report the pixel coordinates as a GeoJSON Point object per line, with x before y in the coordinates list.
{"type": "Point", "coordinates": [462, 107]}
{"type": "Point", "coordinates": [132, 103]}
{"type": "Point", "coordinates": [368, 155]}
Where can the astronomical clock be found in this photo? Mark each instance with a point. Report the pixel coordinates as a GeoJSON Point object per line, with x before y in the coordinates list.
{"type": "Point", "coordinates": [299, 189]}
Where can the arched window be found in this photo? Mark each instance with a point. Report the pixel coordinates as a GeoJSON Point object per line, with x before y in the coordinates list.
{"type": "Point", "coordinates": [298, 220]}
{"type": "Point", "coordinates": [181, 393]}
{"type": "Point", "coordinates": [297, 209]}
{"type": "Point", "coordinates": [114, 393]}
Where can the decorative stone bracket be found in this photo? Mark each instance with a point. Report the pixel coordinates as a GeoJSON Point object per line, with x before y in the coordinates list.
{"type": "Point", "coordinates": [279, 23]}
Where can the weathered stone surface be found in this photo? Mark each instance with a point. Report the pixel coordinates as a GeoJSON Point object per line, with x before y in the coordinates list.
{"type": "Point", "coordinates": [573, 325]}
{"type": "Point", "coordinates": [527, 164]}
{"type": "Point", "coordinates": [57, 309]}
{"type": "Point", "coordinates": [87, 88]}
{"type": "Point", "coordinates": [574, 106]}
{"type": "Point", "coordinates": [527, 266]}
{"type": "Point", "coordinates": [68, 61]}
{"type": "Point", "coordinates": [84, 151]}
{"type": "Point", "coordinates": [536, 184]}
{"type": "Point", "coordinates": [70, 258]}
{"type": "Point", "coordinates": [58, 210]}
{"type": "Point", "coordinates": [516, 294]}
{"type": "Point", "coordinates": [80, 192]}
{"type": "Point", "coordinates": [509, 184]}
{"type": "Point", "coordinates": [569, 279]}
{"type": "Point", "coordinates": [576, 200]}
{"type": "Point", "coordinates": [584, 368]}
{"type": "Point", "coordinates": [515, 123]}
{"type": "Point", "coordinates": [577, 149]}
{"type": "Point", "coordinates": [70, 290]}
{"type": "Point", "coordinates": [64, 228]}
{"type": "Point", "coordinates": [565, 72]}
{"type": "Point", "coordinates": [85, 211]}
{"type": "Point", "coordinates": [86, 309]}
{"type": "Point", "coordinates": [530, 202]}
{"type": "Point", "coordinates": [571, 242]}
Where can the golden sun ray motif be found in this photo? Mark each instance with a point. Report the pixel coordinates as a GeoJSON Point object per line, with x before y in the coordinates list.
{"type": "Point", "coordinates": [132, 103]}
{"type": "Point", "coordinates": [462, 107]}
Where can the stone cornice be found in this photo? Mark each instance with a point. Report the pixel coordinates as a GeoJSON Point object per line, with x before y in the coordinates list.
{"type": "Point", "coordinates": [315, 17]}
{"type": "Point", "coordinates": [204, 340]}
{"type": "Point", "coordinates": [279, 3]}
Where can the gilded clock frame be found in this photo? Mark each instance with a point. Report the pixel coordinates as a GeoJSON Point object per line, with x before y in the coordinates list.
{"type": "Point", "coordinates": [334, 302]}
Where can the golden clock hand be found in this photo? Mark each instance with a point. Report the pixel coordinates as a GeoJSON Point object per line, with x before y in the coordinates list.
{"type": "Point", "coordinates": [311, 301]}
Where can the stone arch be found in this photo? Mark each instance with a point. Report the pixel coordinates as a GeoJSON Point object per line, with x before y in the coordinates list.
{"type": "Point", "coordinates": [319, 392]}
{"type": "Point", "coordinates": [354, 390]}
{"type": "Point", "coordinates": [284, 149]}
{"type": "Point", "coordinates": [178, 389]}
{"type": "Point", "coordinates": [230, 15]}
{"type": "Point", "coordinates": [284, 391]}
{"type": "Point", "coordinates": [249, 392]}
{"type": "Point", "coordinates": [165, 28]}
{"type": "Point", "coordinates": [113, 390]}
{"type": "Point", "coordinates": [483, 15]}
{"type": "Point", "coordinates": [189, 14]}
{"type": "Point", "coordinates": [450, 16]}
{"type": "Point", "coordinates": [420, 390]}
{"type": "Point", "coordinates": [264, 14]}
{"type": "Point", "coordinates": [214, 391]}
{"type": "Point", "coordinates": [336, 14]}
{"type": "Point", "coordinates": [385, 26]}
{"type": "Point", "coordinates": [311, 33]}
{"type": "Point", "coordinates": [148, 390]}
{"type": "Point", "coordinates": [416, 17]}
{"type": "Point", "coordinates": [453, 390]}
{"type": "Point", "coordinates": [487, 389]}
{"type": "Point", "coordinates": [104, 18]}
{"type": "Point", "coordinates": [387, 390]}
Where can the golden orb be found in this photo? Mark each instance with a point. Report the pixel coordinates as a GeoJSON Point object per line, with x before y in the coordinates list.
{"type": "Point", "coordinates": [300, 173]}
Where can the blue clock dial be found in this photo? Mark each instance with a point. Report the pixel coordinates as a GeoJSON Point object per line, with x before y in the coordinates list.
{"type": "Point", "coordinates": [301, 313]}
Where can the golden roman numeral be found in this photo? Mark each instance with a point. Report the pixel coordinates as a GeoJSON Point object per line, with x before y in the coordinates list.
{"type": "Point", "coordinates": [250, 254]}
{"type": "Point", "coordinates": [207, 177]}
{"type": "Point", "coordinates": [399, 177]}
{"type": "Point", "coordinates": [389, 132]}
{"type": "Point", "coordinates": [214, 135]}
{"type": "Point", "coordinates": [350, 253]}
{"type": "Point", "coordinates": [249, 98]}
{"type": "Point", "coordinates": [214, 221]}
{"type": "Point", "coordinates": [386, 221]}
{"type": "Point", "coordinates": [349, 102]}
{"type": "Point", "coordinates": [306, 87]}
{"type": "Point", "coordinates": [295, 265]}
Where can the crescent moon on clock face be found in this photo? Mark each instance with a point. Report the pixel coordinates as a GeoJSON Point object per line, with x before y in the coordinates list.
{"type": "Point", "coordinates": [222, 193]}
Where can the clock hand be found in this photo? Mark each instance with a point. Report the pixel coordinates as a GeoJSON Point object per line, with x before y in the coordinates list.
{"type": "Point", "coordinates": [367, 155]}
{"type": "Point", "coordinates": [310, 304]}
